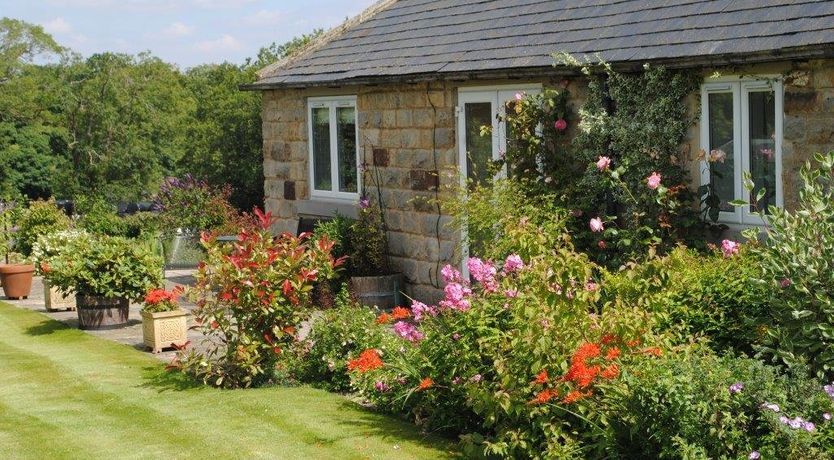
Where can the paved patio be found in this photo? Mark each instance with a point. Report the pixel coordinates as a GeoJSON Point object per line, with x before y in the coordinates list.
{"type": "Point", "coordinates": [130, 334]}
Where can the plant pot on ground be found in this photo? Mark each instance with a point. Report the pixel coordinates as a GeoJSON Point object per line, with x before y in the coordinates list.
{"type": "Point", "coordinates": [105, 273]}
{"type": "Point", "coordinates": [55, 300]}
{"type": "Point", "coordinates": [372, 281]}
{"type": "Point", "coordinates": [164, 323]}
{"type": "Point", "coordinates": [17, 280]}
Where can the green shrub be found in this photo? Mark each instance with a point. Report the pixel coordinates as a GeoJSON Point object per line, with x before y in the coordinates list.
{"type": "Point", "coordinates": [101, 218]}
{"type": "Point", "coordinates": [797, 260]}
{"type": "Point", "coordinates": [40, 218]}
{"type": "Point", "coordinates": [338, 230]}
{"type": "Point", "coordinates": [336, 336]}
{"type": "Point", "coordinates": [368, 242]}
{"type": "Point", "coordinates": [192, 206]}
{"type": "Point", "coordinates": [107, 266]}
{"type": "Point", "coordinates": [698, 295]}
{"type": "Point", "coordinates": [685, 406]}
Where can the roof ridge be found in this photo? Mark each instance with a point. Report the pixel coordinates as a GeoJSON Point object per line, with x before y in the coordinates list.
{"type": "Point", "coordinates": [325, 38]}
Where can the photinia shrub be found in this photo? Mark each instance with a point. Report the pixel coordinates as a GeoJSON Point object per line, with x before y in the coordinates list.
{"type": "Point", "coordinates": [251, 296]}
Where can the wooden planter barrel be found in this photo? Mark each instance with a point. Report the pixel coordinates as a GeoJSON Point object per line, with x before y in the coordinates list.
{"type": "Point", "coordinates": [379, 291]}
{"type": "Point", "coordinates": [17, 280]}
{"type": "Point", "coordinates": [95, 312]}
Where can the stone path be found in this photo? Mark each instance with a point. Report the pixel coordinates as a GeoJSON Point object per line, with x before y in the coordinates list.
{"type": "Point", "coordinates": [130, 334]}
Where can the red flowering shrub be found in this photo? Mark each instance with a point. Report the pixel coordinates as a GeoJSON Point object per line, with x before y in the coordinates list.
{"type": "Point", "coordinates": [159, 300]}
{"type": "Point", "coordinates": [251, 295]}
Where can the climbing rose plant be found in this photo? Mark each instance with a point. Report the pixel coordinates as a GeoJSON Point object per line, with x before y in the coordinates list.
{"type": "Point", "coordinates": [251, 296]}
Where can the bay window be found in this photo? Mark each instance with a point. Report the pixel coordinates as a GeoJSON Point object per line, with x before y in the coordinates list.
{"type": "Point", "coordinates": [333, 148]}
{"type": "Point", "coordinates": [741, 132]}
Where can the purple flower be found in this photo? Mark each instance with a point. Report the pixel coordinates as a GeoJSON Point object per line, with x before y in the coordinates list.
{"type": "Point", "coordinates": [513, 263]}
{"type": "Point", "coordinates": [456, 295]}
{"type": "Point", "coordinates": [455, 336]}
{"type": "Point", "coordinates": [481, 271]}
{"type": "Point", "coordinates": [407, 331]}
{"type": "Point", "coordinates": [809, 426]}
{"type": "Point", "coordinates": [364, 203]}
{"type": "Point", "coordinates": [381, 386]}
{"type": "Point", "coordinates": [511, 293]}
{"type": "Point", "coordinates": [755, 455]}
{"type": "Point", "coordinates": [770, 406]}
{"type": "Point", "coordinates": [829, 389]}
{"type": "Point", "coordinates": [826, 416]}
{"type": "Point", "coordinates": [653, 181]}
{"type": "Point", "coordinates": [729, 248]}
{"type": "Point", "coordinates": [786, 282]}
{"type": "Point", "coordinates": [596, 225]}
{"type": "Point", "coordinates": [736, 388]}
{"type": "Point", "coordinates": [475, 378]}
{"type": "Point", "coordinates": [419, 309]}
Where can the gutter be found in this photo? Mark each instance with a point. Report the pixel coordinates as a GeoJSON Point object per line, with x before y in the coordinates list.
{"type": "Point", "coordinates": [798, 53]}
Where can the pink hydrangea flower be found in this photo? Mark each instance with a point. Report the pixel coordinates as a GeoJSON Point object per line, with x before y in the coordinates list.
{"type": "Point", "coordinates": [561, 124]}
{"type": "Point", "coordinates": [653, 181]}
{"type": "Point", "coordinates": [407, 331]}
{"type": "Point", "coordinates": [450, 274]}
{"type": "Point", "coordinates": [603, 163]}
{"type": "Point", "coordinates": [596, 225]}
{"type": "Point", "coordinates": [729, 248]}
{"type": "Point", "coordinates": [513, 263]}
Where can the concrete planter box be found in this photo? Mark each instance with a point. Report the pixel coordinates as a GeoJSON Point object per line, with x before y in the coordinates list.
{"type": "Point", "coordinates": [54, 300]}
{"type": "Point", "coordinates": [164, 329]}
{"type": "Point", "coordinates": [379, 291]}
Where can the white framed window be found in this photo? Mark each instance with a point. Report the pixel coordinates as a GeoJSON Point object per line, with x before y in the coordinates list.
{"type": "Point", "coordinates": [484, 106]}
{"type": "Point", "coordinates": [333, 144]}
{"type": "Point", "coordinates": [741, 131]}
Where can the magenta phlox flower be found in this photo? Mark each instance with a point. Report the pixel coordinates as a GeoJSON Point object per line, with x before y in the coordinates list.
{"type": "Point", "coordinates": [513, 263]}
{"type": "Point", "coordinates": [408, 331]}
{"type": "Point", "coordinates": [420, 310]}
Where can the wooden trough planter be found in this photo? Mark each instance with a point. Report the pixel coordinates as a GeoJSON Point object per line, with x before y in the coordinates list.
{"type": "Point", "coordinates": [54, 300]}
{"type": "Point", "coordinates": [164, 329]}
{"type": "Point", "coordinates": [379, 291]}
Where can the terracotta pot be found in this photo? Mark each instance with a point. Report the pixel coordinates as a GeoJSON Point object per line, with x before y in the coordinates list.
{"type": "Point", "coordinates": [17, 280]}
{"type": "Point", "coordinates": [95, 312]}
{"type": "Point", "coordinates": [164, 329]}
{"type": "Point", "coordinates": [380, 291]}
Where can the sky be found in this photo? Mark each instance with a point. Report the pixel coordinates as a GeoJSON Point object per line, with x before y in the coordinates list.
{"type": "Point", "coordinates": [184, 32]}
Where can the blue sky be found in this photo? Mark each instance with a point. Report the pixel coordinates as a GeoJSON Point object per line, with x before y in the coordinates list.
{"type": "Point", "coordinates": [185, 32]}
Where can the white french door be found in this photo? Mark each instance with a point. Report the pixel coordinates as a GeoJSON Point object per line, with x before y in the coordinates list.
{"type": "Point", "coordinates": [479, 108]}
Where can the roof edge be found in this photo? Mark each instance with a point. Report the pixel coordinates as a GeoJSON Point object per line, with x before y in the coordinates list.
{"type": "Point", "coordinates": [325, 38]}
{"type": "Point", "coordinates": [803, 52]}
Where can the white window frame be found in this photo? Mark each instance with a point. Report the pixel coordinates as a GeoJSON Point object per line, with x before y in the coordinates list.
{"type": "Point", "coordinates": [741, 87]}
{"type": "Point", "coordinates": [332, 103]}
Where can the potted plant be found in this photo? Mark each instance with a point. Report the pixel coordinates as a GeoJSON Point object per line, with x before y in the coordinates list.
{"type": "Point", "coordinates": [16, 278]}
{"type": "Point", "coordinates": [48, 247]}
{"type": "Point", "coordinates": [105, 273]}
{"type": "Point", "coordinates": [164, 323]}
{"type": "Point", "coordinates": [372, 281]}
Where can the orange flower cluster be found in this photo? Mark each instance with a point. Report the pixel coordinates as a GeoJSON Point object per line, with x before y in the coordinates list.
{"type": "Point", "coordinates": [425, 384]}
{"type": "Point", "coordinates": [156, 296]}
{"type": "Point", "coordinates": [400, 313]}
{"type": "Point", "coordinates": [541, 377]}
{"type": "Point", "coordinates": [653, 351]}
{"type": "Point", "coordinates": [383, 318]}
{"type": "Point", "coordinates": [545, 396]}
{"type": "Point", "coordinates": [367, 361]}
{"type": "Point", "coordinates": [574, 396]}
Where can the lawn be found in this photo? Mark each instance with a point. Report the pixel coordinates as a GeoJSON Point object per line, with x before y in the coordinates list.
{"type": "Point", "coordinates": [66, 394]}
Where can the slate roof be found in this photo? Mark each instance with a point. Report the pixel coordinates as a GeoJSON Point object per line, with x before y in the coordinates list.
{"type": "Point", "coordinates": [430, 39]}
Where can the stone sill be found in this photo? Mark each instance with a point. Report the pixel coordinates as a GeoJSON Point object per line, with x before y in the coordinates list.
{"type": "Point", "coordinates": [324, 208]}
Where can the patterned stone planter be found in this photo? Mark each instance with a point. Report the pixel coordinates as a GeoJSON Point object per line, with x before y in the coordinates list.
{"type": "Point", "coordinates": [96, 312]}
{"type": "Point", "coordinates": [56, 301]}
{"type": "Point", "coordinates": [379, 291]}
{"type": "Point", "coordinates": [164, 329]}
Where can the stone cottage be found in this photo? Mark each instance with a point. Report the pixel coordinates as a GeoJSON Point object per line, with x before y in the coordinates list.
{"type": "Point", "coordinates": [404, 86]}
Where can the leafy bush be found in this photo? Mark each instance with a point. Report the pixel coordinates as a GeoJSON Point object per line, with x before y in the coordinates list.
{"type": "Point", "coordinates": [693, 405]}
{"type": "Point", "coordinates": [515, 361]}
{"type": "Point", "coordinates": [368, 242]}
{"type": "Point", "coordinates": [696, 295]}
{"type": "Point", "coordinates": [40, 218]}
{"type": "Point", "coordinates": [251, 296]}
{"type": "Point", "coordinates": [194, 206]}
{"type": "Point", "coordinates": [101, 218]}
{"type": "Point", "coordinates": [338, 230]}
{"type": "Point", "coordinates": [336, 336]}
{"type": "Point", "coordinates": [52, 245]}
{"type": "Point", "coordinates": [798, 261]}
{"type": "Point", "coordinates": [107, 266]}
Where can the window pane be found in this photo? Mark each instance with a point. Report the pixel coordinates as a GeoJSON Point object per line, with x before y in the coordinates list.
{"type": "Point", "coordinates": [346, 143]}
{"type": "Point", "coordinates": [321, 148]}
{"type": "Point", "coordinates": [721, 154]}
{"type": "Point", "coordinates": [762, 107]}
{"type": "Point", "coordinates": [478, 147]}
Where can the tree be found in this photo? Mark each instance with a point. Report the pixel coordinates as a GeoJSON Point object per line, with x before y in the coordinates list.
{"type": "Point", "coordinates": [20, 44]}
{"type": "Point", "coordinates": [274, 52]}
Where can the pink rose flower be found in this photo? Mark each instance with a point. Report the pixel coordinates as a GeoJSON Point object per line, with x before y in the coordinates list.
{"type": "Point", "coordinates": [603, 163]}
{"type": "Point", "coordinates": [561, 124]}
{"type": "Point", "coordinates": [596, 225]}
{"type": "Point", "coordinates": [653, 181]}
{"type": "Point", "coordinates": [729, 248]}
